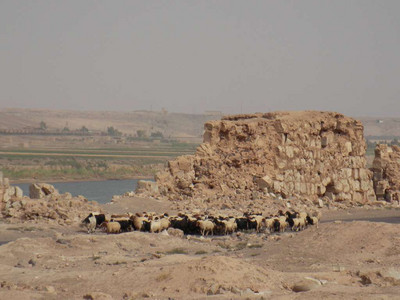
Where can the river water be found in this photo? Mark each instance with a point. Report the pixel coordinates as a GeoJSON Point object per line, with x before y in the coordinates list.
{"type": "Point", "coordinates": [100, 191]}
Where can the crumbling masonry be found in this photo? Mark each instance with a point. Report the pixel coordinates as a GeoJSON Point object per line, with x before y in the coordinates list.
{"type": "Point", "coordinates": [308, 153]}
{"type": "Point", "coordinates": [386, 168]}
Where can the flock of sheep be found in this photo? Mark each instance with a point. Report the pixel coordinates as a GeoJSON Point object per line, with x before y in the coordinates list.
{"type": "Point", "coordinates": [200, 223]}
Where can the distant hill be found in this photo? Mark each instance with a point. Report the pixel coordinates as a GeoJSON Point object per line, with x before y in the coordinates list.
{"type": "Point", "coordinates": [169, 124]}
{"type": "Point", "coordinates": [381, 127]}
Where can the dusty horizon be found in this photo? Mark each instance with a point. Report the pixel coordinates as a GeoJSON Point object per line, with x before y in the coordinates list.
{"type": "Point", "coordinates": [192, 57]}
{"type": "Point", "coordinates": [205, 112]}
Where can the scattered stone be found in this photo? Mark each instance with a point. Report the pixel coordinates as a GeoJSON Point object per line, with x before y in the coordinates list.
{"type": "Point", "coordinates": [214, 290]}
{"type": "Point", "coordinates": [97, 296]}
{"type": "Point", "coordinates": [63, 241]}
{"type": "Point", "coordinates": [32, 262]}
{"type": "Point", "coordinates": [50, 289]}
{"type": "Point", "coordinates": [247, 292]}
{"type": "Point", "coordinates": [391, 273]}
{"type": "Point", "coordinates": [365, 279]}
{"type": "Point", "coordinates": [235, 290]}
{"type": "Point", "coordinates": [144, 185]}
{"type": "Point", "coordinates": [16, 205]}
{"type": "Point", "coordinates": [18, 192]}
{"type": "Point", "coordinates": [40, 190]}
{"type": "Point", "coordinates": [164, 232]}
{"type": "Point", "coordinates": [317, 281]}
{"type": "Point", "coordinates": [338, 268]}
{"type": "Point", "coordinates": [130, 296]}
{"type": "Point", "coordinates": [175, 232]}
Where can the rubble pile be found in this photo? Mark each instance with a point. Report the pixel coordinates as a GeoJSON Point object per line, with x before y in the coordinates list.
{"type": "Point", "coordinates": [386, 169]}
{"type": "Point", "coordinates": [48, 205]}
{"type": "Point", "coordinates": [284, 154]}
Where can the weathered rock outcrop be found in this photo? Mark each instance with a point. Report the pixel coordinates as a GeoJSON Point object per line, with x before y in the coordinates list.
{"type": "Point", "coordinates": [309, 153]}
{"type": "Point", "coordinates": [386, 169]}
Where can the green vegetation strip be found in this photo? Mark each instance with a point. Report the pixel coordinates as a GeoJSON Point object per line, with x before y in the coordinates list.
{"type": "Point", "coordinates": [87, 155]}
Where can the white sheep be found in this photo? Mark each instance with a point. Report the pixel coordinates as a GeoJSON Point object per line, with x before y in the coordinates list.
{"type": "Point", "coordinates": [282, 223]}
{"type": "Point", "coordinates": [155, 225]}
{"type": "Point", "coordinates": [229, 226]}
{"type": "Point", "coordinates": [206, 226]}
{"type": "Point", "coordinates": [91, 225]}
{"type": "Point", "coordinates": [112, 227]}
{"type": "Point", "coordinates": [269, 224]}
{"type": "Point", "coordinates": [165, 223]}
{"type": "Point", "coordinates": [313, 220]}
{"type": "Point", "coordinates": [298, 224]}
{"type": "Point", "coordinates": [138, 221]}
{"type": "Point", "coordinates": [259, 220]}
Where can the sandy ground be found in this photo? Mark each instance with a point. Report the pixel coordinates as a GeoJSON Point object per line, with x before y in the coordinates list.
{"type": "Point", "coordinates": [342, 259]}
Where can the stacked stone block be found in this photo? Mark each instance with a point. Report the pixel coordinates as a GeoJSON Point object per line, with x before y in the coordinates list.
{"type": "Point", "coordinates": [386, 170]}
{"type": "Point", "coordinates": [309, 153]}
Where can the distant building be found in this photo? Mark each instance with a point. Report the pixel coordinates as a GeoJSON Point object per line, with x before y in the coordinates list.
{"type": "Point", "coordinates": [379, 121]}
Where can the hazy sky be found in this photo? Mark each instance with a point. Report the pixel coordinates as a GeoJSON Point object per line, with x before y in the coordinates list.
{"type": "Point", "coordinates": [192, 56]}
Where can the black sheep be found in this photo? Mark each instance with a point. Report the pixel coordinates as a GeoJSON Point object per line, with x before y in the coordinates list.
{"type": "Point", "coordinates": [100, 218]}
{"type": "Point", "coordinates": [277, 225]}
{"type": "Point", "coordinates": [291, 215]}
{"type": "Point", "coordinates": [252, 223]}
{"type": "Point", "coordinates": [180, 223]}
{"type": "Point", "coordinates": [126, 225]}
{"type": "Point", "coordinates": [242, 223]}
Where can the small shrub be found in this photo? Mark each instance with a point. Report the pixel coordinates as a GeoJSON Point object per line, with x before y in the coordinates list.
{"type": "Point", "coordinates": [224, 246]}
{"type": "Point", "coordinates": [163, 277]}
{"type": "Point", "coordinates": [241, 246]}
{"type": "Point", "coordinates": [119, 263]}
{"type": "Point", "coordinates": [177, 251]}
{"type": "Point", "coordinates": [255, 246]}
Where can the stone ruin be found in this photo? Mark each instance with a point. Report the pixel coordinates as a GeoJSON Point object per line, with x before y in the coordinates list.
{"type": "Point", "coordinates": [386, 169]}
{"type": "Point", "coordinates": [291, 154]}
{"type": "Point", "coordinates": [45, 203]}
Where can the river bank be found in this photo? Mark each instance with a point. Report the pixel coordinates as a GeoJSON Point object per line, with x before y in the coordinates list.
{"type": "Point", "coordinates": [101, 191]}
{"type": "Point", "coordinates": [51, 181]}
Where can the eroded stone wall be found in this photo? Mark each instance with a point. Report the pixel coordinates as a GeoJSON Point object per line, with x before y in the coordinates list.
{"type": "Point", "coordinates": [306, 153]}
{"type": "Point", "coordinates": [386, 169]}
